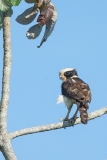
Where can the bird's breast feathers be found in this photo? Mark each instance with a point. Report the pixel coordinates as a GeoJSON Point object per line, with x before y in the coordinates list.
{"type": "Point", "coordinates": [68, 101]}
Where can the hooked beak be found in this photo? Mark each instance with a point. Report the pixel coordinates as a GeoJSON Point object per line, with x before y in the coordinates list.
{"type": "Point", "coordinates": [62, 77]}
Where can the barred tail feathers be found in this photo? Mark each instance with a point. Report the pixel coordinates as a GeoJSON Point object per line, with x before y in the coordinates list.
{"type": "Point", "coordinates": [83, 113]}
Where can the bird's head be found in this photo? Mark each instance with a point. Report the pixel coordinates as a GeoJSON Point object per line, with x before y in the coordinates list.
{"type": "Point", "coordinates": [67, 73]}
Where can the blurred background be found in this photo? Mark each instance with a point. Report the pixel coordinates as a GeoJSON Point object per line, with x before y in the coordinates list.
{"type": "Point", "coordinates": [79, 41]}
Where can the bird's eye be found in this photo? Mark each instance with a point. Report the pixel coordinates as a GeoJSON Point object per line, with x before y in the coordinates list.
{"type": "Point", "coordinates": [67, 73]}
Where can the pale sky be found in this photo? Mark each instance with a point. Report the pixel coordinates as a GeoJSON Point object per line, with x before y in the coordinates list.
{"type": "Point", "coordinates": [79, 41]}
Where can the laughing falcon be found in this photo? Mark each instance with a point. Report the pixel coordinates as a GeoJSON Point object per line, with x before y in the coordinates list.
{"type": "Point", "coordinates": [74, 91]}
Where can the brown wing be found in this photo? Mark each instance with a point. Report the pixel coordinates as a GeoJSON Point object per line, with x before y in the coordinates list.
{"type": "Point", "coordinates": [76, 89]}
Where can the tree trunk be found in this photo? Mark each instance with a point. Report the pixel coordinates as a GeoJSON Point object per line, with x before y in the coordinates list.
{"type": "Point", "coordinates": [5, 145]}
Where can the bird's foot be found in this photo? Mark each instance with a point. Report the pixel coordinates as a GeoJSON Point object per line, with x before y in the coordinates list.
{"type": "Point", "coordinates": [64, 119]}
{"type": "Point", "coordinates": [72, 120]}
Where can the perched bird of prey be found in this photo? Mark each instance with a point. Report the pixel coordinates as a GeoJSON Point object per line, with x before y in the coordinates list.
{"type": "Point", "coordinates": [74, 91]}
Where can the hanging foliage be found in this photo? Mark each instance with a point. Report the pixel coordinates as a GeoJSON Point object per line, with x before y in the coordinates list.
{"type": "Point", "coordinates": [47, 18]}
{"type": "Point", "coordinates": [27, 16]}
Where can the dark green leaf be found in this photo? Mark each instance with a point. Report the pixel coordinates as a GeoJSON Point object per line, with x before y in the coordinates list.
{"type": "Point", "coordinates": [15, 2]}
{"type": "Point", "coordinates": [4, 5]}
{"type": "Point", "coordinates": [1, 19]}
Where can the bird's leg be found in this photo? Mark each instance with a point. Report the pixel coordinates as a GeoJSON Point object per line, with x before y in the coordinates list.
{"type": "Point", "coordinates": [66, 118]}
{"type": "Point", "coordinates": [73, 119]}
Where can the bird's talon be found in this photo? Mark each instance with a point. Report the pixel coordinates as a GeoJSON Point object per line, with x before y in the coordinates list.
{"type": "Point", "coordinates": [72, 120]}
{"type": "Point", "coordinates": [64, 119]}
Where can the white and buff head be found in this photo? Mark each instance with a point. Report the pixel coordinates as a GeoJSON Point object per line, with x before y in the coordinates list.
{"type": "Point", "coordinates": [67, 73]}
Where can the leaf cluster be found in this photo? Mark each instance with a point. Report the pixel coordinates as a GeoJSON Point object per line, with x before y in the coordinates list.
{"type": "Point", "coordinates": [1, 19]}
{"type": "Point", "coordinates": [6, 4]}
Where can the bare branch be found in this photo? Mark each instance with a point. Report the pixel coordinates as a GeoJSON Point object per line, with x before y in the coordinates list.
{"type": "Point", "coordinates": [59, 125]}
{"type": "Point", "coordinates": [5, 143]}
{"type": "Point", "coordinates": [6, 72]}
{"type": "Point", "coordinates": [6, 148]}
